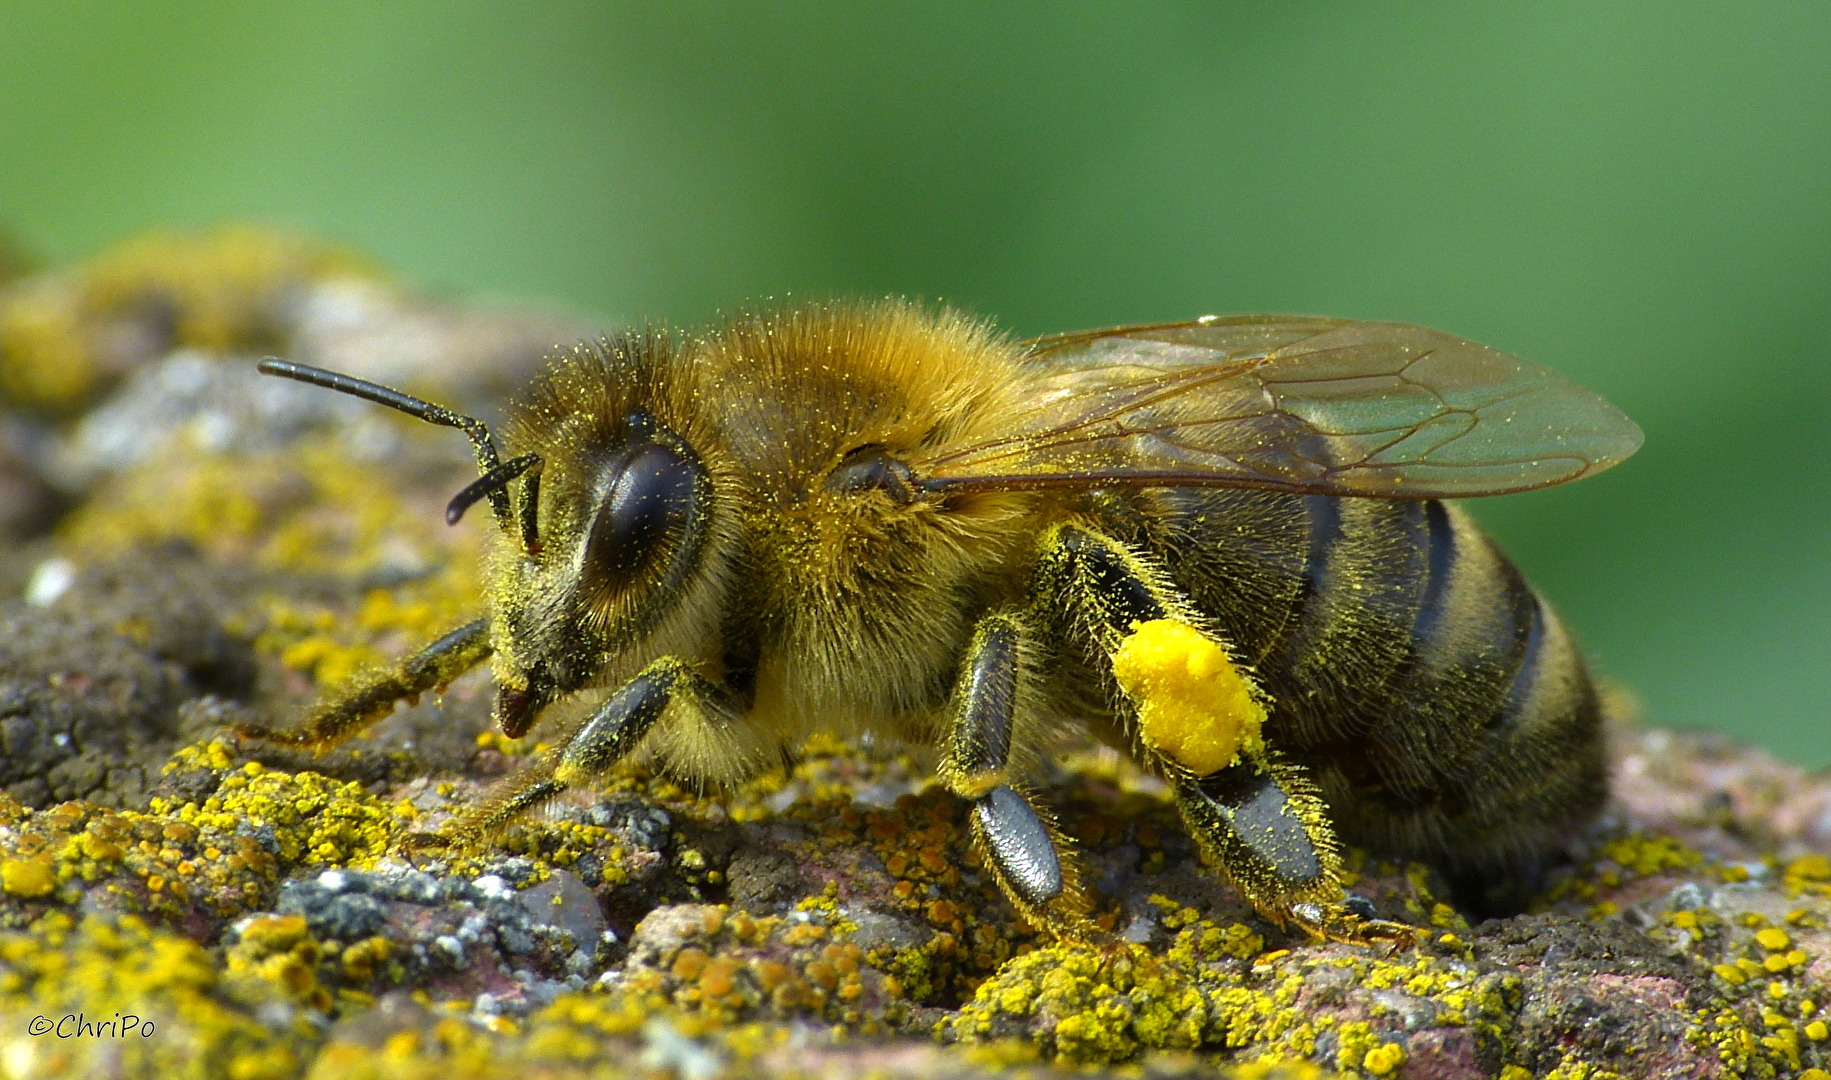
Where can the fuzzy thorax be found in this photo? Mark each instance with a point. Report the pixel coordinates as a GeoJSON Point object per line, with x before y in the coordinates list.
{"type": "Point", "coordinates": [1195, 707]}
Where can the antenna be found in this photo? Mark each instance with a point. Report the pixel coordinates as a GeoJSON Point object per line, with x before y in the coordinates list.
{"type": "Point", "coordinates": [495, 481]}
{"type": "Point", "coordinates": [495, 475]}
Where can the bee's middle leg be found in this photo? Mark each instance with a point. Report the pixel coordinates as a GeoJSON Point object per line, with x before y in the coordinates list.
{"type": "Point", "coordinates": [604, 739]}
{"type": "Point", "coordinates": [1021, 846]}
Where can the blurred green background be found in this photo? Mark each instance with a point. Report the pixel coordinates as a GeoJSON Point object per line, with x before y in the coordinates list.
{"type": "Point", "coordinates": [1636, 193]}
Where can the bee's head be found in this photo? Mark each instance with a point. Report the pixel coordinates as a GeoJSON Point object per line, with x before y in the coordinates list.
{"type": "Point", "coordinates": [602, 516]}
{"type": "Point", "coordinates": [610, 536]}
{"type": "Point", "coordinates": [621, 532]}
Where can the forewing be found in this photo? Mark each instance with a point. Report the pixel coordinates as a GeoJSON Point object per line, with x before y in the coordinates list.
{"type": "Point", "coordinates": [1317, 406]}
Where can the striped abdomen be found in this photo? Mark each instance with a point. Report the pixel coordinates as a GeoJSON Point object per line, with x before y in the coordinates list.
{"type": "Point", "coordinates": [1438, 703]}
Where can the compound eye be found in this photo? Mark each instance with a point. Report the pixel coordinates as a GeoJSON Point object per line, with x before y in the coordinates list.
{"type": "Point", "coordinates": [646, 508]}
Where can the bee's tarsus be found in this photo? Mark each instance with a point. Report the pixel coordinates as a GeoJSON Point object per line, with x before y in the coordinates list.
{"type": "Point", "coordinates": [1340, 922]}
{"type": "Point", "coordinates": [1019, 844]}
{"type": "Point", "coordinates": [414, 844]}
{"type": "Point", "coordinates": [256, 733]}
{"type": "Point", "coordinates": [533, 788]}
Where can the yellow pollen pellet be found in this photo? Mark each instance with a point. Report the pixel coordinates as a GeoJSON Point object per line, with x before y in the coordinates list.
{"type": "Point", "coordinates": [1194, 706]}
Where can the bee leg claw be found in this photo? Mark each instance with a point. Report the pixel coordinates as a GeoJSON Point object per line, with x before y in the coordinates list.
{"type": "Point", "coordinates": [245, 733]}
{"type": "Point", "coordinates": [1346, 922]}
{"type": "Point", "coordinates": [415, 845]}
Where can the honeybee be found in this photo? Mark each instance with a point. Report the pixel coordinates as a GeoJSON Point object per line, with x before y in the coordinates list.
{"type": "Point", "coordinates": [1217, 544]}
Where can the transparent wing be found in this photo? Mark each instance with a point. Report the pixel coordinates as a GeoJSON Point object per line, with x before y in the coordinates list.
{"type": "Point", "coordinates": [1310, 405]}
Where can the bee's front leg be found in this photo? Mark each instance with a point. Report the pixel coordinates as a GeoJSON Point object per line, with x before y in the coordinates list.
{"type": "Point", "coordinates": [372, 695]}
{"type": "Point", "coordinates": [600, 742]}
{"type": "Point", "coordinates": [1021, 846]}
{"type": "Point", "coordinates": [1197, 717]}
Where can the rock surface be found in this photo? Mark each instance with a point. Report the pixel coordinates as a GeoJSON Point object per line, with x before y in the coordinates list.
{"type": "Point", "coordinates": [189, 546]}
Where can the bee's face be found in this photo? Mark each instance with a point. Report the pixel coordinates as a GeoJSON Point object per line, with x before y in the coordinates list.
{"type": "Point", "coordinates": [621, 532]}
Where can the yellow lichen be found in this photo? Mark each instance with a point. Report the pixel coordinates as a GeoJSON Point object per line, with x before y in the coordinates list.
{"type": "Point", "coordinates": [1106, 1005]}
{"type": "Point", "coordinates": [30, 878]}
{"type": "Point", "coordinates": [1626, 858]}
{"type": "Point", "coordinates": [1097, 1004]}
{"type": "Point", "coordinates": [159, 999]}
{"type": "Point", "coordinates": [315, 820]}
{"type": "Point", "coordinates": [1383, 1059]}
{"type": "Point", "coordinates": [1194, 705]}
{"type": "Point", "coordinates": [310, 509]}
{"type": "Point", "coordinates": [1773, 938]}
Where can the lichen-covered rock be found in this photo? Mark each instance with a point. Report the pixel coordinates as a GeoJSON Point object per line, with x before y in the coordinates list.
{"type": "Point", "coordinates": [67, 337]}
{"type": "Point", "coordinates": [222, 548]}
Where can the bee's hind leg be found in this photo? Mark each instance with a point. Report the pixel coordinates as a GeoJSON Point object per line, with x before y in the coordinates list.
{"type": "Point", "coordinates": [1262, 823]}
{"type": "Point", "coordinates": [1197, 716]}
{"type": "Point", "coordinates": [371, 696]}
{"type": "Point", "coordinates": [1021, 846]}
{"type": "Point", "coordinates": [608, 736]}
